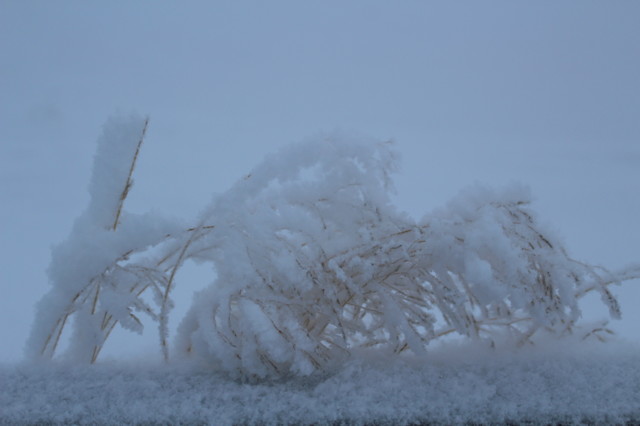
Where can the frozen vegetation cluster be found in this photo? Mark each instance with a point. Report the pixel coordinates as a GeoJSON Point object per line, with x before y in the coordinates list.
{"type": "Point", "coordinates": [310, 261]}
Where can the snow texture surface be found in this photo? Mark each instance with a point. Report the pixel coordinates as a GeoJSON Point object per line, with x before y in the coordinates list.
{"type": "Point", "coordinates": [585, 382]}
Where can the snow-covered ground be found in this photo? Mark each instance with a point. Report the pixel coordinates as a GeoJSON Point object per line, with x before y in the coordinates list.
{"type": "Point", "coordinates": [459, 382]}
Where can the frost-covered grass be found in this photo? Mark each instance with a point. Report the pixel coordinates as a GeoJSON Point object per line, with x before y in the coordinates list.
{"type": "Point", "coordinates": [310, 260]}
{"type": "Point", "coordinates": [567, 382]}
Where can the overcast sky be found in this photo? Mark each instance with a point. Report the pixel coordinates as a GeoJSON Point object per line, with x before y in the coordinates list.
{"type": "Point", "coordinates": [545, 93]}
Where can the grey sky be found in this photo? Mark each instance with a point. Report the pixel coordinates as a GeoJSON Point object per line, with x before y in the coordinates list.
{"type": "Point", "coordinates": [545, 92]}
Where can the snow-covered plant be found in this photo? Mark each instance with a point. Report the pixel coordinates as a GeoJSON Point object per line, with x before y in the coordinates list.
{"type": "Point", "coordinates": [91, 278]}
{"type": "Point", "coordinates": [311, 260]}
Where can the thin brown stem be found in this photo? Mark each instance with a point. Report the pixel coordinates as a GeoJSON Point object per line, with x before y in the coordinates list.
{"type": "Point", "coordinates": [129, 183]}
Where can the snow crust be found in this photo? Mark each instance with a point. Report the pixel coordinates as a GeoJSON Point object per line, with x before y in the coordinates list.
{"type": "Point", "coordinates": [460, 382]}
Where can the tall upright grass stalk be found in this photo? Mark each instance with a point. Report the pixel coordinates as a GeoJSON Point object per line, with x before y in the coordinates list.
{"type": "Point", "coordinates": [94, 285]}
{"type": "Point", "coordinates": [129, 182]}
{"type": "Point", "coordinates": [108, 323]}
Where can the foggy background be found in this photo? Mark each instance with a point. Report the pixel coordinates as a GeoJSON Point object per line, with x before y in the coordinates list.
{"type": "Point", "coordinates": [545, 93]}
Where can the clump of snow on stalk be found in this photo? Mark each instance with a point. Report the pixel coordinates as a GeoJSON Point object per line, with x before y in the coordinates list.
{"type": "Point", "coordinates": [113, 165]}
{"type": "Point", "coordinates": [281, 302]}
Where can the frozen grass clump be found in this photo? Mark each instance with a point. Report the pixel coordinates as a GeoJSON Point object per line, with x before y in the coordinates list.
{"type": "Point", "coordinates": [310, 260]}
{"type": "Point", "coordinates": [92, 283]}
